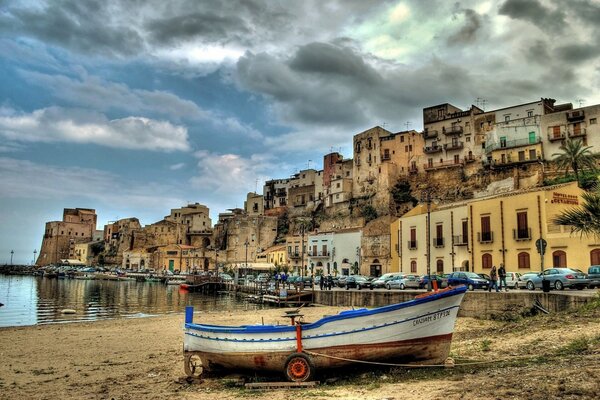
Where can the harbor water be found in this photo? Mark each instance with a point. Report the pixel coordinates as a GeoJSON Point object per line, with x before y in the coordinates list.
{"type": "Point", "coordinates": [30, 300]}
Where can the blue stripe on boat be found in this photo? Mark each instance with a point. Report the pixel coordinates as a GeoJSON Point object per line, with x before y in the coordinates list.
{"type": "Point", "coordinates": [249, 329]}
{"type": "Point", "coordinates": [316, 336]}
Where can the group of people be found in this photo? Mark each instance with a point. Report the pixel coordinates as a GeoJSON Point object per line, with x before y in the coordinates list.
{"type": "Point", "coordinates": [497, 279]}
{"type": "Point", "coordinates": [326, 282]}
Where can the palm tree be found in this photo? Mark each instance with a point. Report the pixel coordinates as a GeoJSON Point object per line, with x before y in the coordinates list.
{"type": "Point", "coordinates": [586, 219]}
{"type": "Point", "coordinates": [575, 156]}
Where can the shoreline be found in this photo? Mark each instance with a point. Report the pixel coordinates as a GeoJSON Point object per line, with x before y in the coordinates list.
{"type": "Point", "coordinates": [141, 358]}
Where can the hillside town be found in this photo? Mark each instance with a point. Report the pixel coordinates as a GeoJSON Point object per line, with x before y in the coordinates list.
{"type": "Point", "coordinates": [474, 189]}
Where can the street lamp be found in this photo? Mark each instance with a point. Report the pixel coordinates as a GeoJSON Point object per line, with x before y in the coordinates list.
{"type": "Point", "coordinates": [246, 265]}
{"type": "Point", "coordinates": [11, 256]}
{"type": "Point", "coordinates": [217, 262]}
{"type": "Point", "coordinates": [34, 253]}
{"type": "Point", "coordinates": [426, 197]}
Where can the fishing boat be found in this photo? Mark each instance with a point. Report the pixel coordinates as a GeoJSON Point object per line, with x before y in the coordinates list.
{"type": "Point", "coordinates": [418, 331]}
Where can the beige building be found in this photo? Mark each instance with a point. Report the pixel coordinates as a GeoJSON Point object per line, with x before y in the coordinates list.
{"type": "Point", "coordinates": [296, 247]}
{"type": "Point", "coordinates": [137, 259]}
{"type": "Point", "coordinates": [60, 237]}
{"type": "Point", "coordinates": [176, 257]}
{"type": "Point", "coordinates": [337, 179]}
{"type": "Point", "coordinates": [448, 241]}
{"type": "Point", "coordinates": [254, 204]}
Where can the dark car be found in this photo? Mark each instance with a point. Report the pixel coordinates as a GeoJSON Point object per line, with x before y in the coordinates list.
{"type": "Point", "coordinates": [442, 281]}
{"type": "Point", "coordinates": [594, 276]}
{"type": "Point", "coordinates": [359, 282]}
{"type": "Point", "coordinates": [469, 279]}
{"type": "Point", "coordinates": [341, 282]}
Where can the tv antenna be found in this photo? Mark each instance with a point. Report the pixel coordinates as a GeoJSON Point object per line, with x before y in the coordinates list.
{"type": "Point", "coordinates": [481, 102]}
{"type": "Point", "coordinates": [408, 124]}
{"type": "Point", "coordinates": [581, 102]}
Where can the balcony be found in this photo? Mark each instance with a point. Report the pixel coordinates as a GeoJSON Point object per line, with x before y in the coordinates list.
{"type": "Point", "coordinates": [554, 137]}
{"type": "Point", "coordinates": [469, 159]}
{"type": "Point", "coordinates": [438, 242]}
{"type": "Point", "coordinates": [318, 254]}
{"type": "Point", "coordinates": [413, 170]}
{"type": "Point", "coordinates": [461, 240]}
{"type": "Point", "coordinates": [575, 115]}
{"type": "Point", "coordinates": [453, 130]}
{"type": "Point", "coordinates": [386, 157]}
{"type": "Point", "coordinates": [454, 146]}
{"type": "Point", "coordinates": [430, 134]}
{"type": "Point", "coordinates": [577, 133]}
{"type": "Point", "coordinates": [412, 244]}
{"type": "Point", "coordinates": [432, 149]}
{"type": "Point", "coordinates": [294, 256]}
{"type": "Point", "coordinates": [485, 237]}
{"type": "Point", "coordinates": [443, 164]}
{"type": "Point", "coordinates": [509, 144]}
{"type": "Point", "coordinates": [522, 234]}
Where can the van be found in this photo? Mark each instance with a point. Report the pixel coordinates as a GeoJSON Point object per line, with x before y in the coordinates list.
{"type": "Point", "coordinates": [594, 276]}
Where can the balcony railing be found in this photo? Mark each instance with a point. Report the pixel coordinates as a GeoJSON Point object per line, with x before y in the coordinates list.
{"type": "Point", "coordinates": [443, 164]}
{"type": "Point", "coordinates": [294, 255]}
{"type": "Point", "coordinates": [522, 234]}
{"type": "Point", "coordinates": [461, 240]}
{"type": "Point", "coordinates": [318, 253]}
{"type": "Point", "coordinates": [413, 171]}
{"type": "Point", "coordinates": [553, 138]}
{"type": "Point", "coordinates": [577, 133]}
{"type": "Point", "coordinates": [430, 134]}
{"type": "Point", "coordinates": [453, 130]}
{"type": "Point", "coordinates": [412, 244]}
{"type": "Point", "coordinates": [432, 149]}
{"type": "Point", "coordinates": [454, 146]}
{"type": "Point", "coordinates": [485, 237]}
{"type": "Point", "coordinates": [578, 115]}
{"type": "Point", "coordinates": [438, 242]}
{"type": "Point", "coordinates": [509, 144]}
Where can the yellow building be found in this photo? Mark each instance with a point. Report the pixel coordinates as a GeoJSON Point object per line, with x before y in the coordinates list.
{"type": "Point", "coordinates": [504, 229]}
{"type": "Point", "coordinates": [177, 257]}
{"type": "Point", "coordinates": [394, 246]}
{"type": "Point", "coordinates": [276, 255]}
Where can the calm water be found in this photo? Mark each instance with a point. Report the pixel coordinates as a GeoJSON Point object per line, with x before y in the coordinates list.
{"type": "Point", "coordinates": [32, 300]}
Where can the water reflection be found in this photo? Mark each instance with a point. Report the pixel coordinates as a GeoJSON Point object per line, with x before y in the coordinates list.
{"type": "Point", "coordinates": [33, 300]}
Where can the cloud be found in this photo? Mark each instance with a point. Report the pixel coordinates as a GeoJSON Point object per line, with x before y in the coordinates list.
{"type": "Point", "coordinates": [92, 91]}
{"type": "Point", "coordinates": [54, 124]}
{"type": "Point", "coordinates": [176, 167]}
{"type": "Point", "coordinates": [551, 21]}
{"type": "Point", "coordinates": [576, 53]}
{"type": "Point", "coordinates": [468, 32]}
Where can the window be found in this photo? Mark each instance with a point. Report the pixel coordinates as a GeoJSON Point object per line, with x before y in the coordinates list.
{"type": "Point", "coordinates": [324, 249]}
{"type": "Point", "coordinates": [521, 156]}
{"type": "Point", "coordinates": [468, 138]}
{"type": "Point", "coordinates": [486, 260]}
{"type": "Point", "coordinates": [502, 141]}
{"type": "Point", "coordinates": [486, 230]}
{"type": "Point", "coordinates": [559, 259]}
{"type": "Point", "coordinates": [593, 121]}
{"type": "Point", "coordinates": [532, 138]}
{"type": "Point", "coordinates": [439, 266]}
{"type": "Point", "coordinates": [532, 154]}
{"type": "Point", "coordinates": [412, 244]}
{"type": "Point", "coordinates": [337, 185]}
{"type": "Point", "coordinates": [438, 241]}
{"type": "Point", "coordinates": [523, 260]}
{"type": "Point", "coordinates": [401, 139]}
{"type": "Point", "coordinates": [440, 113]}
{"type": "Point", "coordinates": [410, 147]}
{"type": "Point", "coordinates": [507, 118]}
{"type": "Point", "coordinates": [386, 154]}
{"type": "Point", "coordinates": [530, 113]}
{"type": "Point", "coordinates": [456, 159]}
{"type": "Point", "coordinates": [522, 226]}
{"type": "Point", "coordinates": [413, 266]}
{"type": "Point", "coordinates": [406, 149]}
{"type": "Point", "coordinates": [595, 257]}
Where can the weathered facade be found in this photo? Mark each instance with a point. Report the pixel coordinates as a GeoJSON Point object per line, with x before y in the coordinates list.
{"type": "Point", "coordinates": [574, 124]}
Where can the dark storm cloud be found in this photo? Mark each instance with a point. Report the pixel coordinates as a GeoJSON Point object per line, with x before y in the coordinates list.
{"type": "Point", "coordinates": [84, 26]}
{"type": "Point", "coordinates": [576, 53]}
{"type": "Point", "coordinates": [468, 32]}
{"type": "Point", "coordinates": [538, 52]}
{"type": "Point", "coordinates": [534, 12]}
{"type": "Point", "coordinates": [329, 59]}
{"type": "Point", "coordinates": [209, 26]}
{"type": "Point", "coordinates": [586, 10]}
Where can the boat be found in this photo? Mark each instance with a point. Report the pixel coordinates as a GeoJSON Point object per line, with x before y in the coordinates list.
{"type": "Point", "coordinates": [418, 331]}
{"type": "Point", "coordinates": [175, 281]}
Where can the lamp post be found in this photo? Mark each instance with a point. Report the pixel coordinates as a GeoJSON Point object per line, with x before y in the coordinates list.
{"type": "Point", "coordinates": [426, 197]}
{"type": "Point", "coordinates": [246, 265]}
{"type": "Point", "coordinates": [302, 246]}
{"type": "Point", "coordinates": [11, 256]}
{"type": "Point", "coordinates": [217, 262]}
{"type": "Point", "coordinates": [34, 253]}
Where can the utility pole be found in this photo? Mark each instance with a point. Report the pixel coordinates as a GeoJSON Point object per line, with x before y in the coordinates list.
{"type": "Point", "coordinates": [34, 253]}
{"type": "Point", "coordinates": [246, 266]}
{"type": "Point", "coordinates": [302, 246]}
{"type": "Point", "coordinates": [11, 256]}
{"type": "Point", "coordinates": [426, 196]}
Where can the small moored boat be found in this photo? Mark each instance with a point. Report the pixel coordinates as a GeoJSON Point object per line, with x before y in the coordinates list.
{"type": "Point", "coordinates": [418, 331]}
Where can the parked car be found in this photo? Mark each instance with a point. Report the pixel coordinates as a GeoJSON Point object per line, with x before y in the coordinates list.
{"type": "Point", "coordinates": [469, 279]}
{"type": "Point", "coordinates": [381, 281]}
{"type": "Point", "coordinates": [559, 278]}
{"type": "Point", "coordinates": [512, 279]}
{"type": "Point", "coordinates": [225, 277]}
{"type": "Point", "coordinates": [262, 278]}
{"type": "Point", "coordinates": [524, 278]}
{"type": "Point", "coordinates": [403, 281]}
{"type": "Point", "coordinates": [358, 281]}
{"type": "Point", "coordinates": [341, 282]}
{"type": "Point", "coordinates": [442, 281]}
{"type": "Point", "coordinates": [594, 276]}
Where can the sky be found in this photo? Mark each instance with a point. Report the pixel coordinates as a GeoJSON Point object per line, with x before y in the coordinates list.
{"type": "Point", "coordinates": [135, 107]}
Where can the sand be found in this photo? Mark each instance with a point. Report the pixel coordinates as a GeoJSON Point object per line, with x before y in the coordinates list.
{"type": "Point", "coordinates": [142, 359]}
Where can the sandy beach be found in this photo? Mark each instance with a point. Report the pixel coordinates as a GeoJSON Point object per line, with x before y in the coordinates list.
{"type": "Point", "coordinates": [142, 359]}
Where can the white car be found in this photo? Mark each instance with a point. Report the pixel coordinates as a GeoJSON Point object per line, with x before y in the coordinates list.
{"type": "Point", "coordinates": [512, 280]}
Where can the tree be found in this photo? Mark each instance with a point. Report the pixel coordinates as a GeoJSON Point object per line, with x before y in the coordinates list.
{"type": "Point", "coordinates": [584, 220]}
{"type": "Point", "coordinates": [575, 156]}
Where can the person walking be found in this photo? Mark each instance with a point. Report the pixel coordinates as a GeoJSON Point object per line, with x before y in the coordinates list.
{"type": "Point", "coordinates": [493, 279]}
{"type": "Point", "coordinates": [329, 282]}
{"type": "Point", "coordinates": [502, 276]}
{"type": "Point", "coordinates": [321, 283]}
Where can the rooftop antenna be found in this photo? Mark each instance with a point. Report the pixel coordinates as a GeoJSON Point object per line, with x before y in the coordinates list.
{"type": "Point", "coordinates": [383, 125]}
{"type": "Point", "coordinates": [481, 102]}
{"type": "Point", "coordinates": [308, 164]}
{"type": "Point", "coordinates": [408, 124]}
{"type": "Point", "coordinates": [581, 102]}
{"type": "Point", "coordinates": [255, 186]}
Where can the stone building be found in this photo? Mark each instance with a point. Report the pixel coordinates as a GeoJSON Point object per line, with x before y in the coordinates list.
{"type": "Point", "coordinates": [254, 204]}
{"type": "Point", "coordinates": [337, 179]}
{"type": "Point", "coordinates": [375, 255]}
{"type": "Point", "coordinates": [275, 193]}
{"type": "Point", "coordinates": [120, 236]}
{"type": "Point", "coordinates": [60, 237]}
{"type": "Point", "coordinates": [575, 124]}
{"type": "Point", "coordinates": [177, 257]}
{"type": "Point", "coordinates": [451, 137]}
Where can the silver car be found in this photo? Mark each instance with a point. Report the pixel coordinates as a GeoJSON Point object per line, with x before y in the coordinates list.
{"type": "Point", "coordinates": [594, 275]}
{"type": "Point", "coordinates": [383, 279]}
{"type": "Point", "coordinates": [559, 278]}
{"type": "Point", "coordinates": [402, 282]}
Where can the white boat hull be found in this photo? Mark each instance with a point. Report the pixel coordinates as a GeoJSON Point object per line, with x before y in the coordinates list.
{"type": "Point", "coordinates": [417, 331]}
